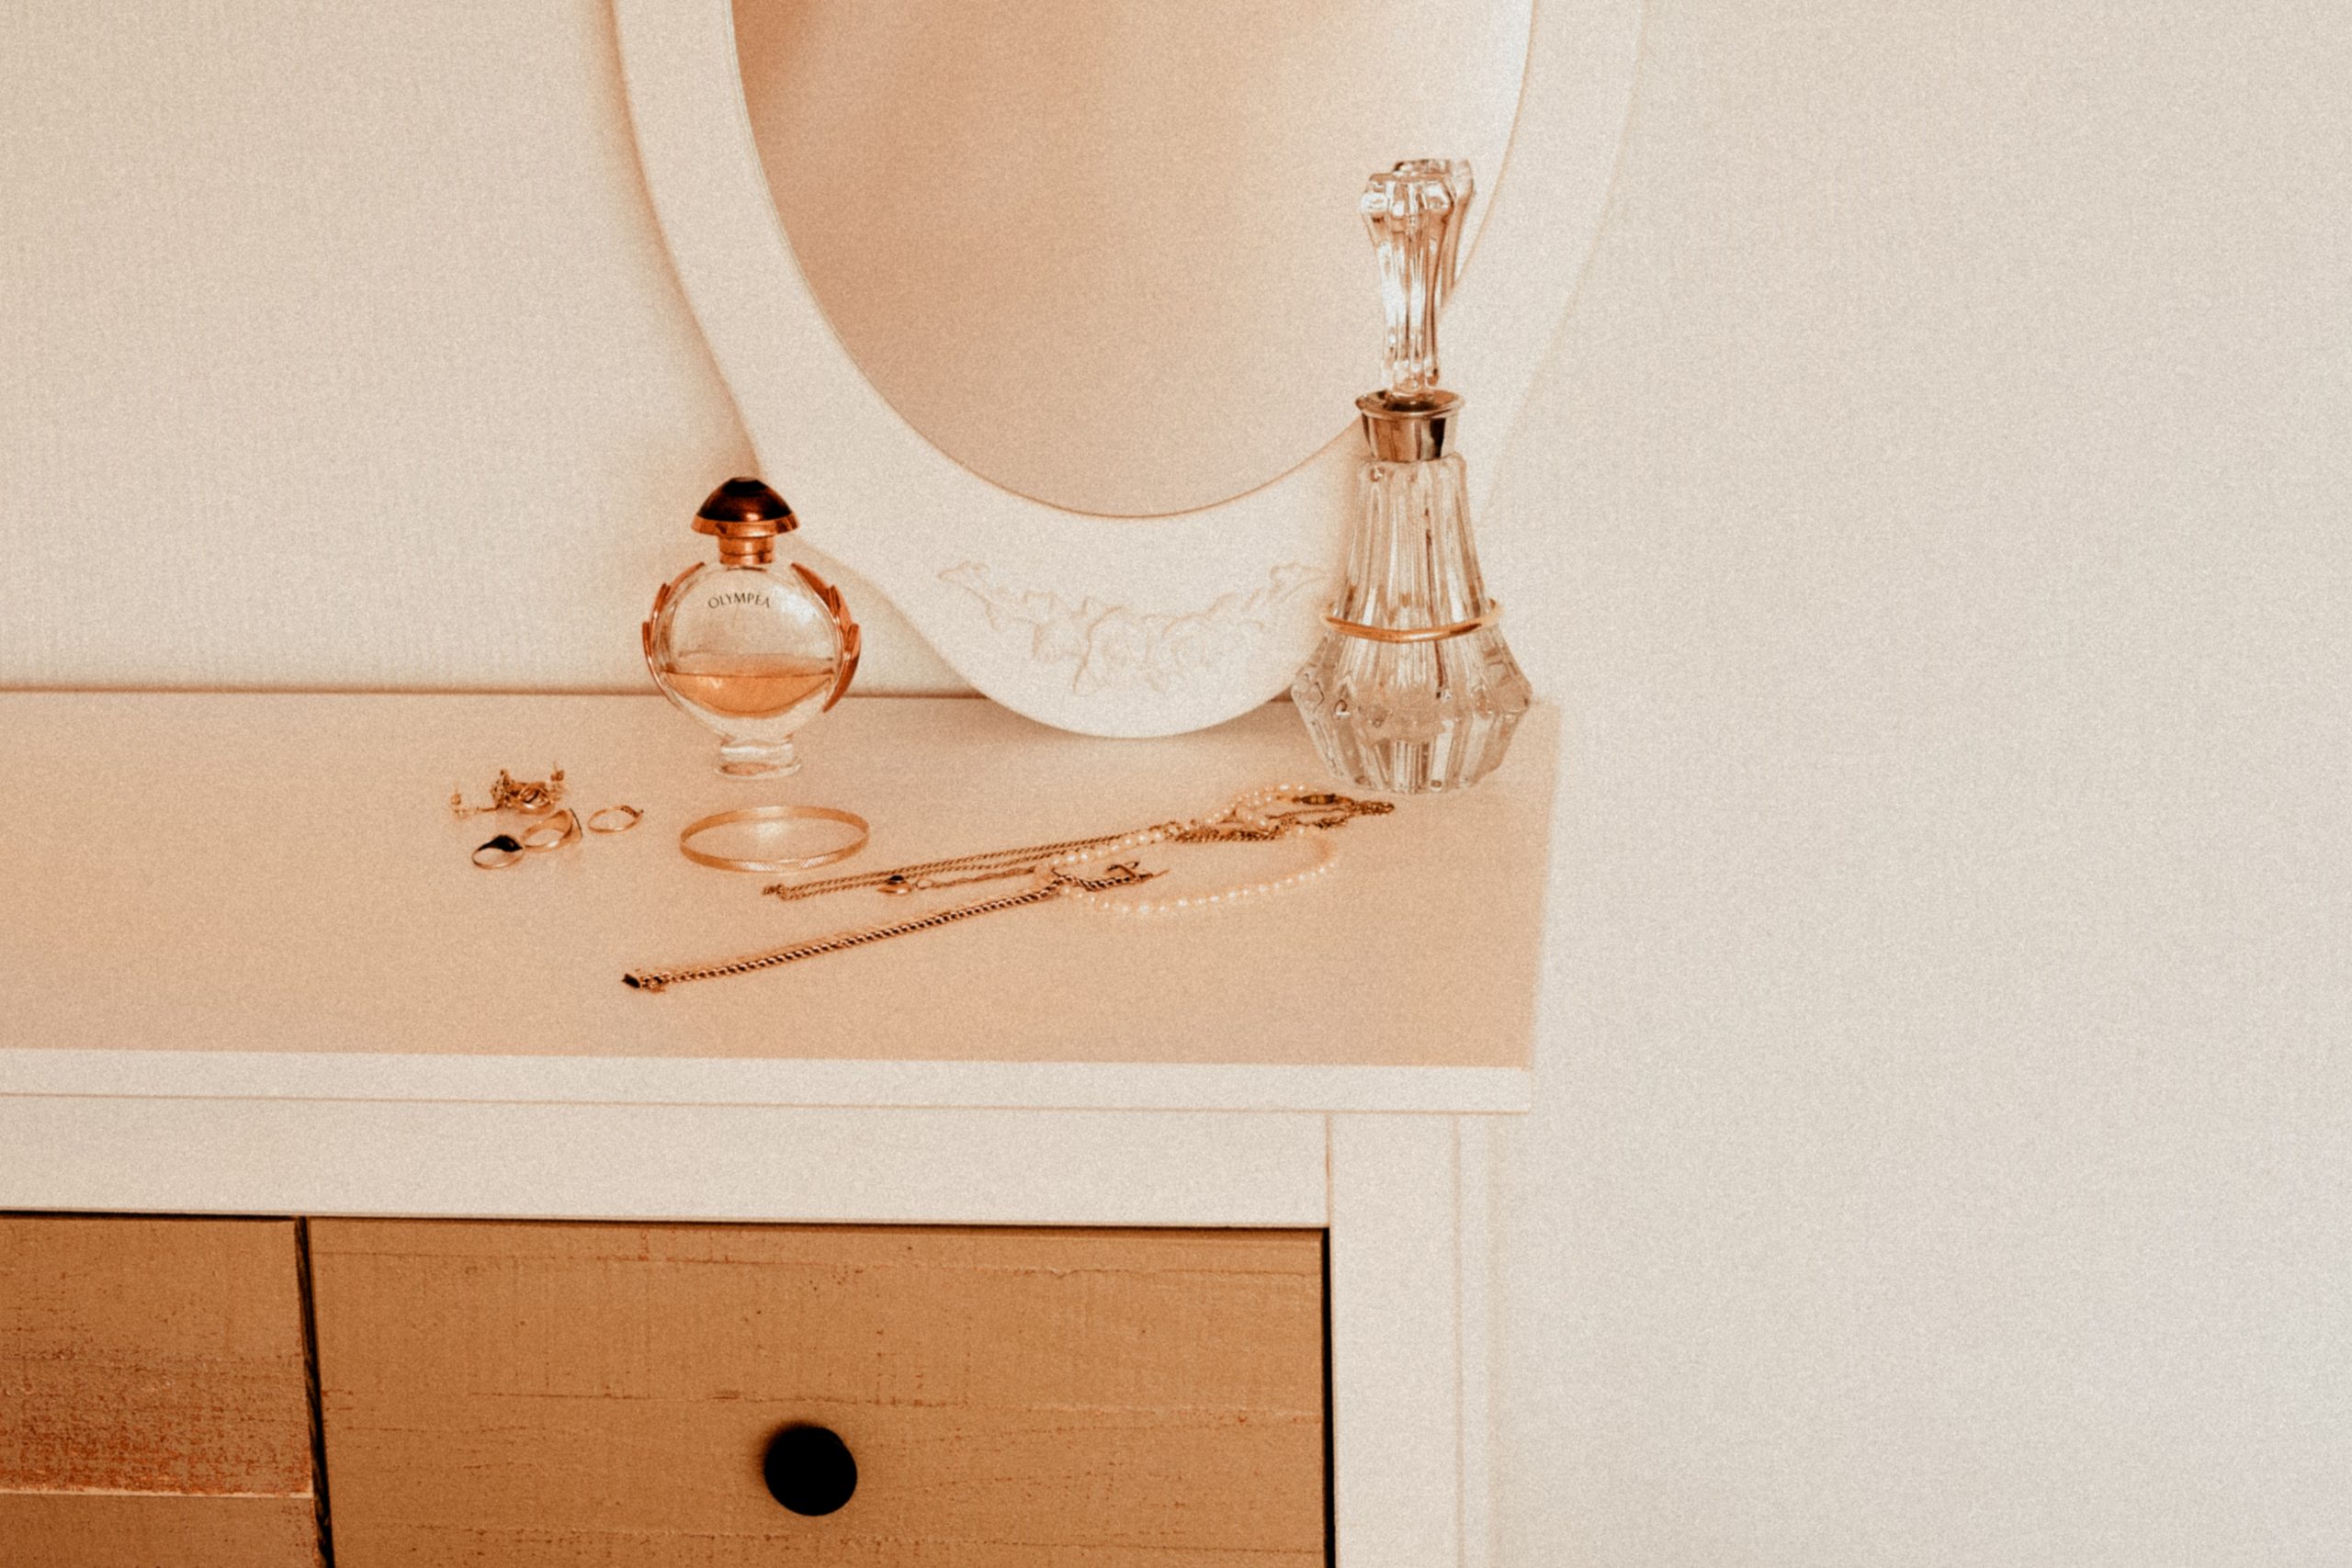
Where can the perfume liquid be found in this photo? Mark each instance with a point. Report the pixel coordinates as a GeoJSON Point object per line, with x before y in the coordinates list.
{"type": "Point", "coordinates": [745, 687]}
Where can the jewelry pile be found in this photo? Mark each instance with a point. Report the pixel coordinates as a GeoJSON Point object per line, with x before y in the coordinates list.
{"type": "Point", "coordinates": [537, 797]}
{"type": "Point", "coordinates": [530, 798]}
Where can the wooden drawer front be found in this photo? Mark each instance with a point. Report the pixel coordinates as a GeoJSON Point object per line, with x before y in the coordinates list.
{"type": "Point", "coordinates": [154, 1403]}
{"type": "Point", "coordinates": [561, 1393]}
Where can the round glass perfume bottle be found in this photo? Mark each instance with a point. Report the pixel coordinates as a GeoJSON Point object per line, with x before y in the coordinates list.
{"type": "Point", "coordinates": [751, 649]}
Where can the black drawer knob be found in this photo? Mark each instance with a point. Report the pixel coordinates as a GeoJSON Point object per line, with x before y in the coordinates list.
{"type": "Point", "coordinates": [809, 1470]}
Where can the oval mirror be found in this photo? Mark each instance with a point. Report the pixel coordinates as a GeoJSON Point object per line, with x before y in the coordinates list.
{"type": "Point", "coordinates": [1050, 318]}
{"type": "Point", "coordinates": [1102, 252]}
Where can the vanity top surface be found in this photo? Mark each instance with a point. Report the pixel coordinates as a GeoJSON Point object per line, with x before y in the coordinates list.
{"type": "Point", "coordinates": [266, 894]}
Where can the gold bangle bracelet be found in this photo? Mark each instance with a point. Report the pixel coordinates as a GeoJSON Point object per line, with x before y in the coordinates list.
{"type": "Point", "coordinates": [1416, 634]}
{"type": "Point", "coordinates": [775, 814]}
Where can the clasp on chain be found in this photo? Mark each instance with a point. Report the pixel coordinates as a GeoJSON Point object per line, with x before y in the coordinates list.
{"type": "Point", "coordinates": [1126, 873]}
{"type": "Point", "coordinates": [898, 885]}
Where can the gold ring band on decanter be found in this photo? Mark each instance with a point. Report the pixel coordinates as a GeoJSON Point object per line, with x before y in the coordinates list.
{"type": "Point", "coordinates": [1417, 634]}
{"type": "Point", "coordinates": [775, 814]}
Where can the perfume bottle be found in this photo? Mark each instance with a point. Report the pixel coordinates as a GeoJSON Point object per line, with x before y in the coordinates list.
{"type": "Point", "coordinates": [752, 649]}
{"type": "Point", "coordinates": [1412, 690]}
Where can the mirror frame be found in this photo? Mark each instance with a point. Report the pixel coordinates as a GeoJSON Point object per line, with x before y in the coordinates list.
{"type": "Point", "coordinates": [1106, 625]}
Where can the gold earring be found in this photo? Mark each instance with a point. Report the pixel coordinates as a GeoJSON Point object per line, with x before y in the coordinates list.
{"type": "Point", "coordinates": [532, 797]}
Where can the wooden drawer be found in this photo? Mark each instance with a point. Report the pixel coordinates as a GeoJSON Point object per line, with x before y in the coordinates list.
{"type": "Point", "coordinates": [154, 1399]}
{"type": "Point", "coordinates": [523, 1394]}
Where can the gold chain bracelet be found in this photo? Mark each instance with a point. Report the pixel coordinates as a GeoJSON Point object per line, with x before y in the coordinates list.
{"type": "Point", "coordinates": [1057, 883]}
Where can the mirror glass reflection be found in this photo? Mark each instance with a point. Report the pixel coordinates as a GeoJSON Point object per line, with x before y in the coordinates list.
{"type": "Point", "coordinates": [1106, 253]}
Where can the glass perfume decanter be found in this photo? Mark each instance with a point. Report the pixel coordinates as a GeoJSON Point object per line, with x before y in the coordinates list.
{"type": "Point", "coordinates": [1412, 690]}
{"type": "Point", "coordinates": [752, 649]}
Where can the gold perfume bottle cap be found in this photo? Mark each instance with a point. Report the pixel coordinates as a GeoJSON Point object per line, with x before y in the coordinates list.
{"type": "Point", "coordinates": [746, 516]}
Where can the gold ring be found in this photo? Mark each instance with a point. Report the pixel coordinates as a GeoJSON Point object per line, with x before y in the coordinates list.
{"type": "Point", "coordinates": [499, 854]}
{"type": "Point", "coordinates": [1416, 634]}
{"type": "Point", "coordinates": [629, 817]}
{"type": "Point", "coordinates": [775, 814]}
{"type": "Point", "coordinates": [558, 830]}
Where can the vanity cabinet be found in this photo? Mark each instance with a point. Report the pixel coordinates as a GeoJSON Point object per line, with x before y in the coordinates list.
{"type": "Point", "coordinates": [154, 1406]}
{"type": "Point", "coordinates": [509, 1395]}
{"type": "Point", "coordinates": [556, 1222]}
{"type": "Point", "coordinates": [527, 1394]}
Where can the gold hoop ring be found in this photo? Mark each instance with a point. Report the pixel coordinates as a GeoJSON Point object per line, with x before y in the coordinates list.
{"type": "Point", "coordinates": [775, 814]}
{"type": "Point", "coordinates": [558, 830]}
{"type": "Point", "coordinates": [630, 817]}
{"type": "Point", "coordinates": [1416, 634]}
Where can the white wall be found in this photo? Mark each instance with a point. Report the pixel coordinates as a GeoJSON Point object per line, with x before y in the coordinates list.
{"type": "Point", "coordinates": [1945, 1150]}
{"type": "Point", "coordinates": [1933, 528]}
{"type": "Point", "coordinates": [338, 348]}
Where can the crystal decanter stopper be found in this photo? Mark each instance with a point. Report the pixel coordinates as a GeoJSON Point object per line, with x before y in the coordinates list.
{"type": "Point", "coordinates": [1413, 690]}
{"type": "Point", "coordinates": [750, 649]}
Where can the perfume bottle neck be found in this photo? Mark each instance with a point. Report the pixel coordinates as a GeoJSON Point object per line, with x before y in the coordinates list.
{"type": "Point", "coordinates": [1407, 430]}
{"type": "Point", "coordinates": [733, 551]}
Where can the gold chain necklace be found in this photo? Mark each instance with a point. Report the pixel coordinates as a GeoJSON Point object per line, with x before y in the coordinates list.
{"type": "Point", "coordinates": [1259, 816]}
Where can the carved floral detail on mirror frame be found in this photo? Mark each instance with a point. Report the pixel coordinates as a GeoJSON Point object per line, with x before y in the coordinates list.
{"type": "Point", "coordinates": [1117, 648]}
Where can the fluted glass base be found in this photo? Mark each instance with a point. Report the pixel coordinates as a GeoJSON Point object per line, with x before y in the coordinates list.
{"type": "Point", "coordinates": [1412, 719]}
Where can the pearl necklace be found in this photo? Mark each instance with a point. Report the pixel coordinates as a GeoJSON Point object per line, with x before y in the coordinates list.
{"type": "Point", "coordinates": [1326, 854]}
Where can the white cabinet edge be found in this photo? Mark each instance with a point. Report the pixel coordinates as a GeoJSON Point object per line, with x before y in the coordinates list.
{"type": "Point", "coordinates": [632, 1080]}
{"type": "Point", "coordinates": [772, 1164]}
